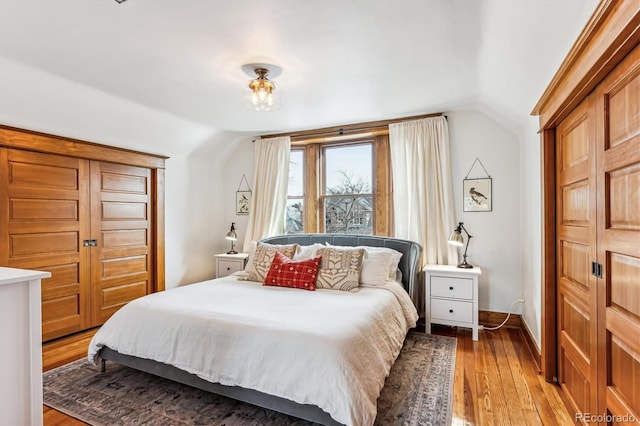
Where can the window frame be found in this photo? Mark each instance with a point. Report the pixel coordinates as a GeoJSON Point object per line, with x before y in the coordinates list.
{"type": "Point", "coordinates": [304, 181]}
{"type": "Point", "coordinates": [322, 194]}
{"type": "Point", "coordinates": [314, 183]}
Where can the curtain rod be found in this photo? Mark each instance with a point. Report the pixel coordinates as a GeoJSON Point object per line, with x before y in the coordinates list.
{"type": "Point", "coordinates": [342, 131]}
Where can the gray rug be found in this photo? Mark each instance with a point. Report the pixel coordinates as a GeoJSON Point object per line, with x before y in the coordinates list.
{"type": "Point", "coordinates": [418, 391]}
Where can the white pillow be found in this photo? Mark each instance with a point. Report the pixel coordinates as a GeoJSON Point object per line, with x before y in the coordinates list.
{"type": "Point", "coordinates": [394, 259]}
{"type": "Point", "coordinates": [379, 264]}
{"type": "Point", "coordinates": [307, 252]}
{"type": "Point", "coordinates": [252, 253]}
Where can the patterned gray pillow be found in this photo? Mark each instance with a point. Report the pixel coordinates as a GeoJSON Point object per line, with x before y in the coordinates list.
{"type": "Point", "coordinates": [339, 269]}
{"type": "Point", "coordinates": [263, 257]}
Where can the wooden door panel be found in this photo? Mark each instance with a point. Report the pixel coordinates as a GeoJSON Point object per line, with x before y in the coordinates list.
{"type": "Point", "coordinates": [46, 197]}
{"type": "Point", "coordinates": [618, 182]}
{"type": "Point", "coordinates": [625, 373]}
{"type": "Point", "coordinates": [576, 232]}
{"type": "Point", "coordinates": [575, 263]}
{"type": "Point", "coordinates": [575, 385]}
{"type": "Point", "coordinates": [576, 318]}
{"type": "Point", "coordinates": [121, 212]}
{"type": "Point", "coordinates": [574, 144]}
{"type": "Point", "coordinates": [121, 266]}
{"type": "Point", "coordinates": [114, 298]}
{"type": "Point", "coordinates": [123, 238]}
{"type": "Point", "coordinates": [623, 103]}
{"type": "Point", "coordinates": [121, 183]}
{"type": "Point", "coordinates": [623, 197]}
{"type": "Point", "coordinates": [576, 205]}
{"type": "Point", "coordinates": [27, 210]}
{"type": "Point", "coordinates": [43, 243]}
{"type": "Point", "coordinates": [61, 174]}
{"type": "Point", "coordinates": [624, 272]}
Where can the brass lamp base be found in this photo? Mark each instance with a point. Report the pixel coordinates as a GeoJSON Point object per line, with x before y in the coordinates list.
{"type": "Point", "coordinates": [233, 249]}
{"type": "Point", "coordinates": [464, 264]}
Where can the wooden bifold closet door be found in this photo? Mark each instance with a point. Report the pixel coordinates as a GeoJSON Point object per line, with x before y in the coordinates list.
{"type": "Point", "coordinates": [88, 223]}
{"type": "Point", "coordinates": [598, 247]}
{"type": "Point", "coordinates": [576, 248]}
{"type": "Point", "coordinates": [121, 223]}
{"type": "Point", "coordinates": [617, 107]}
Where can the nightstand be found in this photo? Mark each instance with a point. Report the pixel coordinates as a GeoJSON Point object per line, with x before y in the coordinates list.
{"type": "Point", "coordinates": [451, 296]}
{"type": "Point", "coordinates": [227, 264]}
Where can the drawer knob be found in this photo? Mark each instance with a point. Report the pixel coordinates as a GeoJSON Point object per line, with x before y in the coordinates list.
{"type": "Point", "coordinates": [228, 269]}
{"type": "Point", "coordinates": [450, 311]}
{"type": "Point", "coordinates": [451, 288]}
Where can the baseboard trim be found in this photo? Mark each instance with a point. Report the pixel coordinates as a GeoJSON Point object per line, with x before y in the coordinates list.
{"type": "Point", "coordinates": [528, 338]}
{"type": "Point", "coordinates": [494, 319]}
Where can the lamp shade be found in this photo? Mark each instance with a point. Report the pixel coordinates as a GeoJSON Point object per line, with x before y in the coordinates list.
{"type": "Point", "coordinates": [232, 236]}
{"type": "Point", "coordinates": [456, 239]}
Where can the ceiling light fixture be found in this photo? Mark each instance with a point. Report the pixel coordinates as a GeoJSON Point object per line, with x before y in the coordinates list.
{"type": "Point", "coordinates": [262, 94]}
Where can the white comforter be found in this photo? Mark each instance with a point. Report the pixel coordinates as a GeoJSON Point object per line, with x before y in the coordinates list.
{"type": "Point", "coordinates": [329, 348]}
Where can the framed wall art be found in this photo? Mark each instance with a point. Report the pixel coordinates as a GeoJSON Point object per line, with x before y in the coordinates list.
{"type": "Point", "coordinates": [243, 202]}
{"type": "Point", "coordinates": [243, 197]}
{"type": "Point", "coordinates": [477, 195]}
{"type": "Point", "coordinates": [477, 192]}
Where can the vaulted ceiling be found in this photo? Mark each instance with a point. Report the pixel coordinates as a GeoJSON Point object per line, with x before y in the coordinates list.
{"type": "Point", "coordinates": [342, 61]}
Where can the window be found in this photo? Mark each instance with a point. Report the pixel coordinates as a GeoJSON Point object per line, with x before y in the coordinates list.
{"type": "Point", "coordinates": [340, 187]}
{"type": "Point", "coordinates": [295, 194]}
{"type": "Point", "coordinates": [347, 193]}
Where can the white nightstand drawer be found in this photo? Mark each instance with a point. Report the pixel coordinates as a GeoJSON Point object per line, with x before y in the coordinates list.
{"type": "Point", "coordinates": [452, 310]}
{"type": "Point", "coordinates": [227, 264]}
{"type": "Point", "coordinates": [451, 296]}
{"type": "Point", "coordinates": [230, 266]}
{"type": "Point", "coordinates": [455, 288]}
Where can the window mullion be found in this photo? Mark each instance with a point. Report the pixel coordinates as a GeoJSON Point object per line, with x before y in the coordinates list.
{"type": "Point", "coordinates": [311, 188]}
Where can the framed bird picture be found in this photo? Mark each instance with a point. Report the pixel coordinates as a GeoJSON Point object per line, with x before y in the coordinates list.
{"type": "Point", "coordinates": [243, 202]}
{"type": "Point", "coordinates": [476, 195]}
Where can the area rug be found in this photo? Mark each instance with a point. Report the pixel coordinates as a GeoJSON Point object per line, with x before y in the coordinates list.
{"type": "Point", "coordinates": [418, 391]}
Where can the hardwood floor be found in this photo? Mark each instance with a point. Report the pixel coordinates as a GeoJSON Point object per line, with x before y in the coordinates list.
{"type": "Point", "coordinates": [496, 381]}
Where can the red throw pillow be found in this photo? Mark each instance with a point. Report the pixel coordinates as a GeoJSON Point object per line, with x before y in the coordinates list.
{"type": "Point", "coordinates": [285, 272]}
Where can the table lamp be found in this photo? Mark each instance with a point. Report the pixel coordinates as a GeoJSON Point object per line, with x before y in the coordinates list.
{"type": "Point", "coordinates": [456, 239]}
{"type": "Point", "coordinates": [232, 236]}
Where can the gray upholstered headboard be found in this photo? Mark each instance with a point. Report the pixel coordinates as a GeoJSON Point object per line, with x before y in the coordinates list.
{"type": "Point", "coordinates": [411, 251]}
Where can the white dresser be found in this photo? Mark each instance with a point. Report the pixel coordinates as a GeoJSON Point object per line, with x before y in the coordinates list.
{"type": "Point", "coordinates": [227, 264]}
{"type": "Point", "coordinates": [21, 353]}
{"type": "Point", "coordinates": [451, 296]}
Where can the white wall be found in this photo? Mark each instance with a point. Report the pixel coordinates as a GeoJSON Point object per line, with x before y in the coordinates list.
{"type": "Point", "coordinates": [205, 168]}
{"type": "Point", "coordinates": [35, 100]}
{"type": "Point", "coordinates": [531, 228]}
{"type": "Point", "coordinates": [241, 162]}
{"type": "Point", "coordinates": [495, 246]}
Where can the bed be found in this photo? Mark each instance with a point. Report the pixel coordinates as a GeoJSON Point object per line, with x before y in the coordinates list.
{"type": "Point", "coordinates": [321, 356]}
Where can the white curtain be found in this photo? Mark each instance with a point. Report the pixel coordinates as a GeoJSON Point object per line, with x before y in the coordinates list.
{"type": "Point", "coordinates": [270, 183]}
{"type": "Point", "coordinates": [424, 209]}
